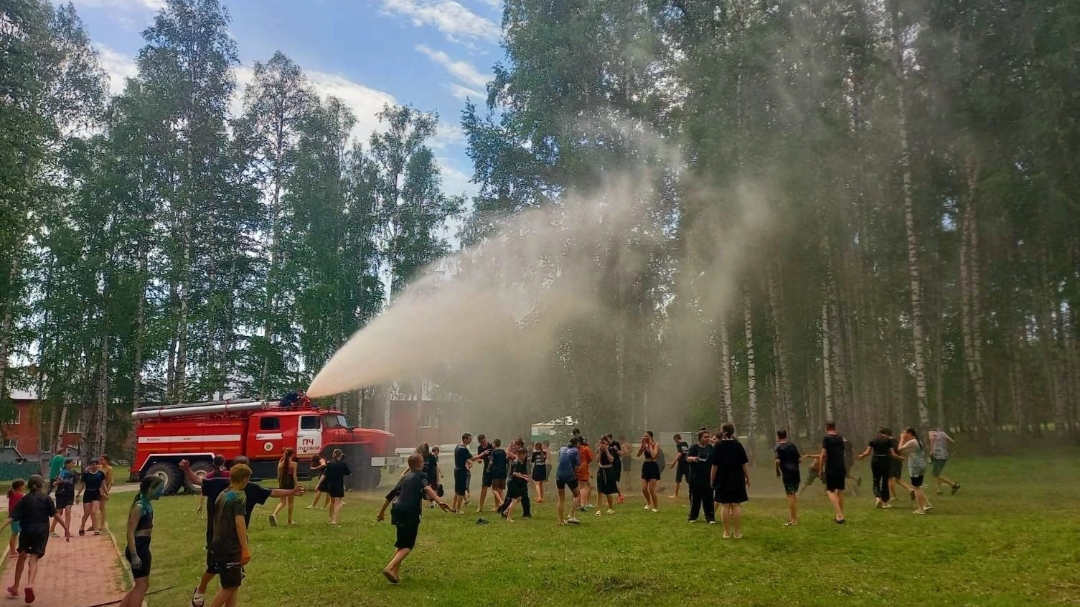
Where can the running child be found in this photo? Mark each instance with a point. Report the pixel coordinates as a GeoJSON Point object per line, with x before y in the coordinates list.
{"type": "Point", "coordinates": [682, 449]}
{"type": "Point", "coordinates": [65, 494]}
{"type": "Point", "coordinates": [484, 455]}
{"type": "Point", "coordinates": [335, 473]}
{"type": "Point", "coordinates": [518, 489]}
{"type": "Point", "coordinates": [835, 469]}
{"type": "Point", "coordinates": [787, 470]}
{"type": "Point", "coordinates": [431, 469]}
{"type": "Point", "coordinates": [32, 514]}
{"type": "Point", "coordinates": [896, 471]}
{"type": "Point", "coordinates": [939, 456]}
{"type": "Point", "coordinates": [286, 477]}
{"type": "Point", "coordinates": [318, 464]}
{"type": "Point", "coordinates": [137, 550]}
{"type": "Point", "coordinates": [912, 447]}
{"type": "Point", "coordinates": [815, 470]}
{"type": "Point", "coordinates": [212, 488]}
{"type": "Point", "coordinates": [92, 481]}
{"type": "Point", "coordinates": [14, 496]}
{"type": "Point", "coordinates": [605, 476]}
{"type": "Point", "coordinates": [883, 454]}
{"type": "Point", "coordinates": [406, 501]}
{"type": "Point", "coordinates": [229, 547]}
{"type": "Point", "coordinates": [539, 470]}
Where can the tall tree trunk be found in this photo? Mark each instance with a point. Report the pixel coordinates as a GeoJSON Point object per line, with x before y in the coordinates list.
{"type": "Point", "coordinates": [7, 326]}
{"type": "Point", "coordinates": [101, 415]}
{"type": "Point", "coordinates": [909, 220]}
{"type": "Point", "coordinates": [727, 409]}
{"type": "Point", "coordinates": [782, 370]}
{"type": "Point", "coordinates": [751, 377]}
{"type": "Point", "coordinates": [972, 335]}
{"type": "Point", "coordinates": [826, 358]}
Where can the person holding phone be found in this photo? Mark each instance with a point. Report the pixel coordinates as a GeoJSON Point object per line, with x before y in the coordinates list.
{"type": "Point", "coordinates": [698, 462]}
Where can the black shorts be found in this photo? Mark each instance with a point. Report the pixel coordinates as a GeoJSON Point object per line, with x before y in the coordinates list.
{"type": "Point", "coordinates": [142, 548]}
{"type": "Point", "coordinates": [572, 485]}
{"type": "Point", "coordinates": [64, 500]}
{"type": "Point", "coordinates": [485, 480]}
{"type": "Point", "coordinates": [835, 481]}
{"type": "Point", "coordinates": [337, 491]}
{"type": "Point", "coordinates": [916, 481]}
{"type": "Point", "coordinates": [322, 486]}
{"type": "Point", "coordinates": [33, 541]}
{"type": "Point", "coordinates": [896, 470]}
{"type": "Point", "coordinates": [650, 471]}
{"type": "Point", "coordinates": [229, 570]}
{"type": "Point", "coordinates": [211, 563]}
{"type": "Point", "coordinates": [498, 484]}
{"type": "Point", "coordinates": [461, 482]}
{"type": "Point", "coordinates": [539, 473]}
{"type": "Point", "coordinates": [605, 482]}
{"type": "Point", "coordinates": [91, 496]}
{"type": "Point", "coordinates": [517, 491]}
{"type": "Point", "coordinates": [681, 472]}
{"type": "Point", "coordinates": [791, 483]}
{"type": "Point", "coordinates": [406, 536]}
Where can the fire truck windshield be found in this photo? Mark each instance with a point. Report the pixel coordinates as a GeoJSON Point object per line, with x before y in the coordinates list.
{"type": "Point", "coordinates": [334, 421]}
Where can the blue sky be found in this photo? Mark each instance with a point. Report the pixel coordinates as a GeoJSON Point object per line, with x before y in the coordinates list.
{"type": "Point", "coordinates": [431, 54]}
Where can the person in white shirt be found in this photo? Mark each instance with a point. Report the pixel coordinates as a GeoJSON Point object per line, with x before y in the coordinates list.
{"type": "Point", "coordinates": [939, 456]}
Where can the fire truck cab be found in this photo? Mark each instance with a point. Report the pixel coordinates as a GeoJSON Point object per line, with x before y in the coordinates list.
{"type": "Point", "coordinates": [259, 430]}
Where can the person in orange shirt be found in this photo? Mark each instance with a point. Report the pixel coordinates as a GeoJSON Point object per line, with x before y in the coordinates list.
{"type": "Point", "coordinates": [583, 475]}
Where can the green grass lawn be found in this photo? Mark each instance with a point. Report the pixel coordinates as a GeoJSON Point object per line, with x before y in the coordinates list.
{"type": "Point", "coordinates": [1009, 537]}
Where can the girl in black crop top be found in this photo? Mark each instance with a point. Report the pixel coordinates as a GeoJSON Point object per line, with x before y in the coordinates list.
{"type": "Point", "coordinates": [137, 550]}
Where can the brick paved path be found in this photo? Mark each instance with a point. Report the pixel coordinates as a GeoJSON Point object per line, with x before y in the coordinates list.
{"type": "Point", "coordinates": [85, 571]}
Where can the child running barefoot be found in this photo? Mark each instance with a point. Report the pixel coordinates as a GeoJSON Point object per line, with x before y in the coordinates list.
{"type": "Point", "coordinates": [335, 474]}
{"type": "Point", "coordinates": [650, 470]}
{"type": "Point", "coordinates": [33, 514]}
{"type": "Point", "coordinates": [815, 471]}
{"type": "Point", "coordinates": [539, 470]}
{"type": "Point", "coordinates": [137, 551]}
{"type": "Point", "coordinates": [318, 464]}
{"type": "Point", "coordinates": [14, 495]}
{"type": "Point", "coordinates": [787, 470]}
{"type": "Point", "coordinates": [286, 474]}
{"type": "Point", "coordinates": [518, 487]}
{"type": "Point", "coordinates": [407, 501]}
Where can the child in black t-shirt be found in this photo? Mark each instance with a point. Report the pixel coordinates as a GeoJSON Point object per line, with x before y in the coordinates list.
{"type": "Point", "coordinates": [498, 470]}
{"type": "Point", "coordinates": [406, 503]}
{"type": "Point", "coordinates": [787, 470]}
{"type": "Point", "coordinates": [518, 488]}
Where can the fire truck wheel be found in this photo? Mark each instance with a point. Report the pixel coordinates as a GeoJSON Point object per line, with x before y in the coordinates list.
{"type": "Point", "coordinates": [201, 468]}
{"type": "Point", "coordinates": [170, 473]}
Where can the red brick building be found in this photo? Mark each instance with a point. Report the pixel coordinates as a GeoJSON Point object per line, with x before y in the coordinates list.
{"type": "Point", "coordinates": [24, 432]}
{"type": "Point", "coordinates": [418, 421]}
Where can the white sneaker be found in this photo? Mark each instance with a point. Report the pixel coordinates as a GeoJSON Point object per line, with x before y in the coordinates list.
{"type": "Point", "coordinates": [928, 507]}
{"type": "Point", "coordinates": [655, 510]}
{"type": "Point", "coordinates": [920, 511]}
{"type": "Point", "coordinates": [610, 511]}
{"type": "Point", "coordinates": [197, 599]}
{"type": "Point", "coordinates": [572, 521]}
{"type": "Point", "coordinates": [886, 506]}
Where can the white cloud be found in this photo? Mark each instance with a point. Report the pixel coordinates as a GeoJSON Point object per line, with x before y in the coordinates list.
{"type": "Point", "coordinates": [449, 17]}
{"type": "Point", "coordinates": [449, 133]}
{"type": "Point", "coordinates": [365, 102]}
{"type": "Point", "coordinates": [464, 92]}
{"type": "Point", "coordinates": [462, 70]}
{"type": "Point", "coordinates": [454, 181]}
{"type": "Point", "coordinates": [117, 66]}
{"type": "Point", "coordinates": [471, 83]}
{"type": "Point", "coordinates": [154, 5]}
{"type": "Point", "coordinates": [493, 3]}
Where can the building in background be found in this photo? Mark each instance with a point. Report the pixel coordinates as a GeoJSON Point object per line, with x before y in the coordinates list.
{"type": "Point", "coordinates": [25, 432]}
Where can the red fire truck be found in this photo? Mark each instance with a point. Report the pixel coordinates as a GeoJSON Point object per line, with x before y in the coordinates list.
{"type": "Point", "coordinates": [260, 430]}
